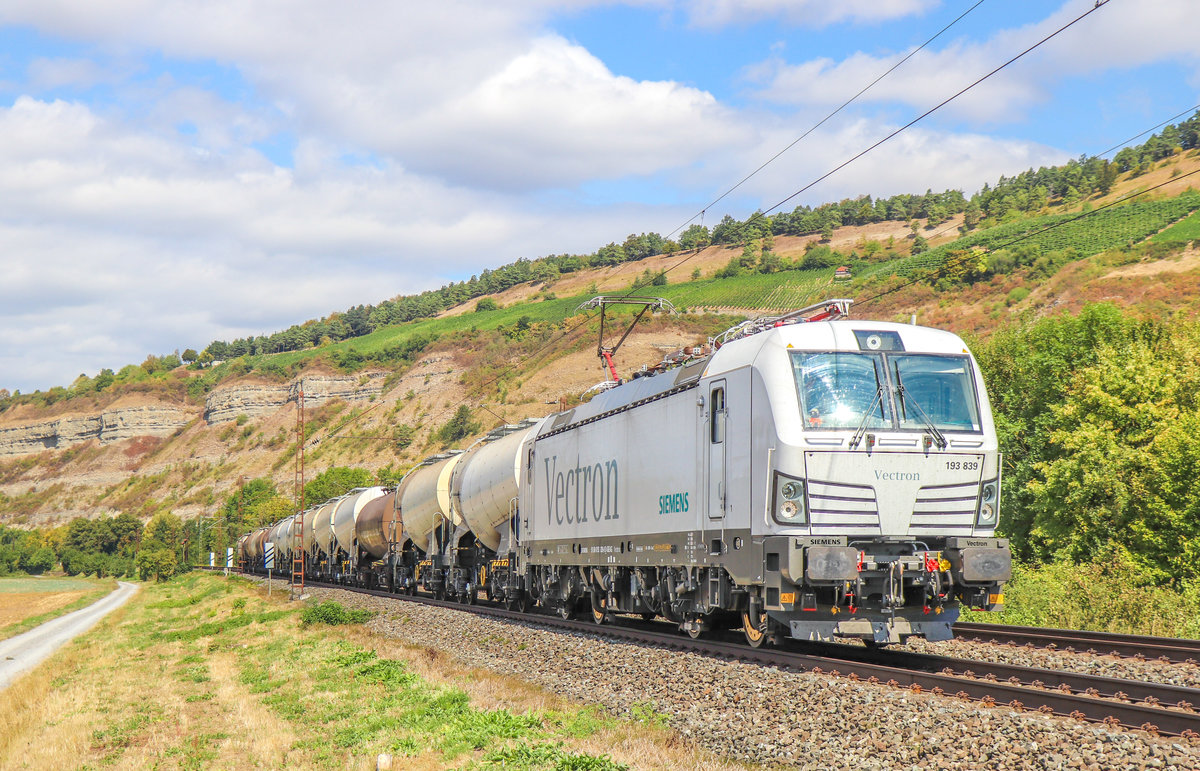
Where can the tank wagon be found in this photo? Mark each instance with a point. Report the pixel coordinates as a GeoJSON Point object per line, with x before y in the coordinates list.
{"type": "Point", "coordinates": [805, 476]}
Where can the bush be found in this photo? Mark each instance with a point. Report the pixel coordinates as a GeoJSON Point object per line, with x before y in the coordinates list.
{"type": "Point", "coordinates": [1017, 295]}
{"type": "Point", "coordinates": [333, 614]}
{"type": "Point", "coordinates": [1111, 594]}
{"type": "Point", "coordinates": [486, 304]}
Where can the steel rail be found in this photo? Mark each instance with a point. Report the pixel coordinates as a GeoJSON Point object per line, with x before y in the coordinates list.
{"type": "Point", "coordinates": [1183, 651]}
{"type": "Point", "coordinates": [855, 664]}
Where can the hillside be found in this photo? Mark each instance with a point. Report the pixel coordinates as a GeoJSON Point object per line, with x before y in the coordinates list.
{"type": "Point", "coordinates": [179, 438]}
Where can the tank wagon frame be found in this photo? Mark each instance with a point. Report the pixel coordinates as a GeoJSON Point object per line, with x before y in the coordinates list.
{"type": "Point", "coordinates": [804, 476]}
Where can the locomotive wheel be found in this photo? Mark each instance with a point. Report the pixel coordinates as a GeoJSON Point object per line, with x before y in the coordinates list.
{"type": "Point", "coordinates": [648, 616]}
{"type": "Point", "coordinates": [755, 629]}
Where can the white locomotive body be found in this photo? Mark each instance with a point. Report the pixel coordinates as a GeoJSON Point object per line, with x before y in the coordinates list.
{"type": "Point", "coordinates": [822, 479]}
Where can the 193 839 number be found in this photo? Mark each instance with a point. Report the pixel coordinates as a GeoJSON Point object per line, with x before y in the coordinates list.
{"type": "Point", "coordinates": [962, 465]}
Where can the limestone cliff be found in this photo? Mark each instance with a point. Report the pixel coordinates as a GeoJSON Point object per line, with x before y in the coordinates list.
{"type": "Point", "coordinates": [255, 399]}
{"type": "Point", "coordinates": [111, 425]}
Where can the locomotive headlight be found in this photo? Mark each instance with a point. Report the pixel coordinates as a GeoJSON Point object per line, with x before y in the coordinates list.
{"type": "Point", "coordinates": [988, 506]}
{"type": "Point", "coordinates": [788, 503]}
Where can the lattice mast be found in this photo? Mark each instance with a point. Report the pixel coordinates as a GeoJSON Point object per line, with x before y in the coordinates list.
{"type": "Point", "coordinates": [298, 554]}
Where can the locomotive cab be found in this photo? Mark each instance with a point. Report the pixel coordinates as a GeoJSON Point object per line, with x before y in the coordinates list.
{"type": "Point", "coordinates": [883, 480]}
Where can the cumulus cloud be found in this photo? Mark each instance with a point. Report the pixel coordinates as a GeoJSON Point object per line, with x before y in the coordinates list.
{"type": "Point", "coordinates": [120, 242]}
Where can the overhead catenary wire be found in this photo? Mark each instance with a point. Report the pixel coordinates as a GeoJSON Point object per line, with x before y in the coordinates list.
{"type": "Point", "coordinates": [824, 120]}
{"type": "Point", "coordinates": [762, 213]}
{"type": "Point", "coordinates": [1101, 154]}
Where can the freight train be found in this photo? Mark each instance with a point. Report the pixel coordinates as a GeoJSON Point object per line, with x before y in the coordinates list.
{"type": "Point", "coordinates": [806, 476]}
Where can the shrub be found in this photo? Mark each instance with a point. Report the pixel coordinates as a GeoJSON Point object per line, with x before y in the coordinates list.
{"type": "Point", "coordinates": [1017, 295]}
{"type": "Point", "coordinates": [333, 614]}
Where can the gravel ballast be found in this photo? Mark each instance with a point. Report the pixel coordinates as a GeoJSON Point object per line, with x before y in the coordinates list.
{"type": "Point", "coordinates": [780, 718]}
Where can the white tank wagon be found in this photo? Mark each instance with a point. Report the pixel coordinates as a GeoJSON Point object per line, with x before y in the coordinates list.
{"type": "Point", "coordinates": [825, 479]}
{"type": "Point", "coordinates": [322, 538]}
{"type": "Point", "coordinates": [308, 534]}
{"type": "Point", "coordinates": [428, 520]}
{"type": "Point", "coordinates": [281, 539]}
{"type": "Point", "coordinates": [484, 490]}
{"type": "Point", "coordinates": [425, 500]}
{"type": "Point", "coordinates": [345, 515]}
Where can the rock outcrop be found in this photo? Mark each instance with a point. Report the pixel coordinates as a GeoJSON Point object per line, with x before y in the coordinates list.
{"type": "Point", "coordinates": [254, 399]}
{"type": "Point", "coordinates": [111, 425]}
{"type": "Point", "coordinates": [124, 422]}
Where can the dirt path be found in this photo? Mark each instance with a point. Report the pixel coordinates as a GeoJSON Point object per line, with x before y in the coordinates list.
{"type": "Point", "coordinates": [25, 651]}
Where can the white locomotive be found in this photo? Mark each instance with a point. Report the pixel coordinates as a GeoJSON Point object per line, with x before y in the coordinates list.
{"type": "Point", "coordinates": [808, 476]}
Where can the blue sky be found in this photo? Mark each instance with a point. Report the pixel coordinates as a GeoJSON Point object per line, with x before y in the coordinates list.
{"type": "Point", "coordinates": [173, 173]}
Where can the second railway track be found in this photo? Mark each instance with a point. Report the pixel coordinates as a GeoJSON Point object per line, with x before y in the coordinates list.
{"type": "Point", "coordinates": [1101, 643]}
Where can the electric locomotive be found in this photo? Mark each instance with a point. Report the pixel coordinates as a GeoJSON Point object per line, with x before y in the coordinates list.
{"type": "Point", "coordinates": [813, 477]}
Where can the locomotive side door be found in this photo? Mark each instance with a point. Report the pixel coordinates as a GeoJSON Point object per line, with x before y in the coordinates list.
{"type": "Point", "coordinates": [718, 487]}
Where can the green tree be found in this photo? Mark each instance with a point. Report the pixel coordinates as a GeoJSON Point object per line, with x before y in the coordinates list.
{"type": "Point", "coordinates": [157, 563]}
{"type": "Point", "coordinates": [486, 304]}
{"type": "Point", "coordinates": [1128, 467]}
{"type": "Point", "coordinates": [335, 481]}
{"type": "Point", "coordinates": [458, 427]}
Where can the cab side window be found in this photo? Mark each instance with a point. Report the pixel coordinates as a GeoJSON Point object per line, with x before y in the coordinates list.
{"type": "Point", "coordinates": [717, 416]}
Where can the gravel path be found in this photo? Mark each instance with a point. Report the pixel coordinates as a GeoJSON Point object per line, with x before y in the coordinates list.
{"type": "Point", "coordinates": [25, 651]}
{"type": "Point", "coordinates": [773, 717]}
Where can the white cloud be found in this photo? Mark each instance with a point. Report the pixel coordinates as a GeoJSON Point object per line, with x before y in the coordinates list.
{"type": "Point", "coordinates": [120, 242]}
{"type": "Point", "coordinates": [809, 13]}
{"type": "Point", "coordinates": [1118, 35]}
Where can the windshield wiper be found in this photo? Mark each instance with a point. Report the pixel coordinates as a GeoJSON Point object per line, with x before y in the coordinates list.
{"type": "Point", "coordinates": [938, 438]}
{"type": "Point", "coordinates": [862, 425]}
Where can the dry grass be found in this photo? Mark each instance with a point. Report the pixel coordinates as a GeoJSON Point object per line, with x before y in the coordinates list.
{"type": "Point", "coordinates": [205, 672]}
{"type": "Point", "coordinates": [27, 602]}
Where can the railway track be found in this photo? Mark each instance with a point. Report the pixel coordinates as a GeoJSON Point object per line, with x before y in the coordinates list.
{"type": "Point", "coordinates": [1164, 709]}
{"type": "Point", "coordinates": [1097, 643]}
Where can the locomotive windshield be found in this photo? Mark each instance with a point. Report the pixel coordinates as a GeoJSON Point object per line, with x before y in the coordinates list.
{"type": "Point", "coordinates": [841, 390]}
{"type": "Point", "coordinates": [940, 387]}
{"type": "Point", "coordinates": [905, 391]}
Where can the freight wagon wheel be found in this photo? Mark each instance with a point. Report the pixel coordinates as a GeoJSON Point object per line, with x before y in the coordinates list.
{"type": "Point", "coordinates": [566, 611]}
{"type": "Point", "coordinates": [648, 616]}
{"type": "Point", "coordinates": [600, 612]}
{"type": "Point", "coordinates": [755, 630]}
